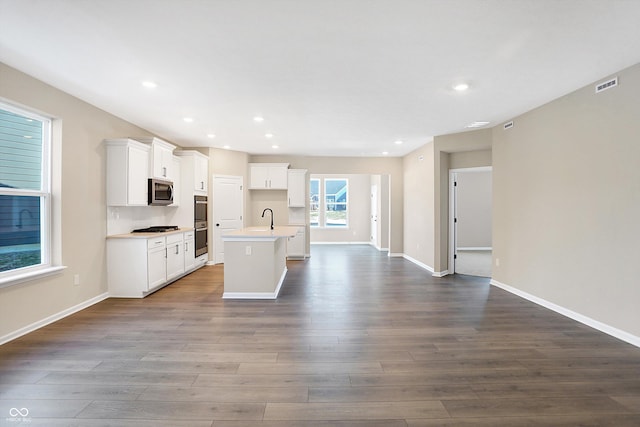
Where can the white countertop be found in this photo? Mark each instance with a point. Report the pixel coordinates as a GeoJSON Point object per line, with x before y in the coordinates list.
{"type": "Point", "coordinates": [262, 232]}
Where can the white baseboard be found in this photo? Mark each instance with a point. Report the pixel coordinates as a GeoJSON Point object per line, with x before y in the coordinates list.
{"type": "Point", "coordinates": [441, 273]}
{"type": "Point", "coordinates": [602, 327]}
{"type": "Point", "coordinates": [340, 243]}
{"type": "Point", "coordinates": [53, 318]}
{"type": "Point", "coordinates": [418, 263]}
{"type": "Point", "coordinates": [475, 248]}
{"type": "Point", "coordinates": [395, 255]}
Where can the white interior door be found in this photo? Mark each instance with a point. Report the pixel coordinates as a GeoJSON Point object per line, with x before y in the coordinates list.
{"type": "Point", "coordinates": [228, 207]}
{"type": "Point", "coordinates": [374, 216]}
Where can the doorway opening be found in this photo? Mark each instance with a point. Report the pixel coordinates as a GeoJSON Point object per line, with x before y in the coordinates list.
{"type": "Point", "coordinates": [470, 220]}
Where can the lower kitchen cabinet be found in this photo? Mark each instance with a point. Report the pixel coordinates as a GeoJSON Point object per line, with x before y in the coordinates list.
{"type": "Point", "coordinates": [139, 265]}
{"type": "Point", "coordinates": [189, 250]}
{"type": "Point", "coordinates": [175, 256]}
{"type": "Point", "coordinates": [296, 246]}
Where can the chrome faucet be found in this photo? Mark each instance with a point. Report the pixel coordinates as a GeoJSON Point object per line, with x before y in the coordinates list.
{"type": "Point", "coordinates": [268, 209]}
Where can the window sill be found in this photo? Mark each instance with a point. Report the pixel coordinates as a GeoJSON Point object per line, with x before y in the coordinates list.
{"type": "Point", "coordinates": [31, 275]}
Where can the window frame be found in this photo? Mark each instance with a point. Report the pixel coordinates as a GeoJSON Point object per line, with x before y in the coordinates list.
{"type": "Point", "coordinates": [45, 267]}
{"type": "Point", "coordinates": [322, 203]}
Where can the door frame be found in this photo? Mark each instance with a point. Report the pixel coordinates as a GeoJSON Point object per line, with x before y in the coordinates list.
{"type": "Point", "coordinates": [453, 232]}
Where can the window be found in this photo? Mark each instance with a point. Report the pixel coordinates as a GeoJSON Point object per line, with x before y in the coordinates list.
{"type": "Point", "coordinates": [314, 209]}
{"type": "Point", "coordinates": [25, 194]}
{"type": "Point", "coordinates": [329, 202]}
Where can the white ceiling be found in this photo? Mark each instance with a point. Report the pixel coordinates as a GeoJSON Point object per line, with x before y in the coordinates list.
{"type": "Point", "coordinates": [330, 77]}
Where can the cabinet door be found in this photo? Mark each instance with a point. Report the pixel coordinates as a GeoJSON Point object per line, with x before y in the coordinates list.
{"type": "Point", "coordinates": [175, 259]}
{"type": "Point", "coordinates": [137, 165]}
{"type": "Point", "coordinates": [189, 254]}
{"type": "Point", "coordinates": [177, 190]}
{"type": "Point", "coordinates": [156, 267]}
{"type": "Point", "coordinates": [201, 172]}
{"type": "Point", "coordinates": [278, 177]}
{"type": "Point", "coordinates": [259, 177]}
{"type": "Point", "coordinates": [296, 245]}
{"type": "Point", "coordinates": [162, 162]}
{"type": "Point", "coordinates": [296, 189]}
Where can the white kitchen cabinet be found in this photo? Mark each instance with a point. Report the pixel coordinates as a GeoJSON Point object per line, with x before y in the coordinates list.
{"type": "Point", "coordinates": [189, 250]}
{"type": "Point", "coordinates": [297, 188]}
{"type": "Point", "coordinates": [268, 176]}
{"type": "Point", "coordinates": [127, 166]}
{"type": "Point", "coordinates": [195, 172]}
{"type": "Point", "coordinates": [201, 173]}
{"type": "Point", "coordinates": [296, 246]}
{"type": "Point", "coordinates": [156, 263]}
{"type": "Point", "coordinates": [177, 190]}
{"type": "Point", "coordinates": [139, 265]}
{"type": "Point", "coordinates": [161, 162]}
{"type": "Point", "coordinates": [175, 255]}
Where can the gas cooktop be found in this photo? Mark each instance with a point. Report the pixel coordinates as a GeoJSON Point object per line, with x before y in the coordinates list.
{"type": "Point", "coordinates": [156, 229]}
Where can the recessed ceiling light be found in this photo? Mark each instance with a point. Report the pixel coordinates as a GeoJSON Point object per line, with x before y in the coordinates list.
{"type": "Point", "coordinates": [275, 147]}
{"type": "Point", "coordinates": [211, 135]}
{"type": "Point", "coordinates": [398, 142]}
{"type": "Point", "coordinates": [149, 84]}
{"type": "Point", "coordinates": [258, 119]}
{"type": "Point", "coordinates": [226, 147]}
{"type": "Point", "coordinates": [188, 119]}
{"type": "Point", "coordinates": [478, 124]}
{"type": "Point", "coordinates": [461, 87]}
{"type": "Point", "coordinates": [385, 153]}
{"type": "Point", "coordinates": [268, 135]}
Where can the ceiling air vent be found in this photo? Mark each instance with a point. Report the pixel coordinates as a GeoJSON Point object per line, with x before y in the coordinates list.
{"type": "Point", "coordinates": [607, 85]}
{"type": "Point", "coordinates": [508, 125]}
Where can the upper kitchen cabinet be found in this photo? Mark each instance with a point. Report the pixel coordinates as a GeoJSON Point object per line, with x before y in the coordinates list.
{"type": "Point", "coordinates": [161, 166]}
{"type": "Point", "coordinates": [195, 171]}
{"type": "Point", "coordinates": [127, 166]}
{"type": "Point", "coordinates": [297, 188]}
{"type": "Point", "coordinates": [268, 176]}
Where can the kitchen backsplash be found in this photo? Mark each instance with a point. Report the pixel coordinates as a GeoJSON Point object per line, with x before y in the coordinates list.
{"type": "Point", "coordinates": [123, 219]}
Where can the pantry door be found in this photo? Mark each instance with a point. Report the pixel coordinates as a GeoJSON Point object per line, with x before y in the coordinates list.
{"type": "Point", "coordinates": [228, 206]}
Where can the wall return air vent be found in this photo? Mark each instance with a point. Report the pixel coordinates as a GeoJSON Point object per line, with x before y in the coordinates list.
{"type": "Point", "coordinates": [607, 85]}
{"type": "Point", "coordinates": [508, 125]}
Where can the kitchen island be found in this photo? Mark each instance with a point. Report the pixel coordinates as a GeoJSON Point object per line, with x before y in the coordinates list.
{"type": "Point", "coordinates": [255, 262]}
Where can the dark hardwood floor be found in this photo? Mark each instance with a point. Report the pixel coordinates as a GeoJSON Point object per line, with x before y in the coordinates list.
{"type": "Point", "coordinates": [355, 339]}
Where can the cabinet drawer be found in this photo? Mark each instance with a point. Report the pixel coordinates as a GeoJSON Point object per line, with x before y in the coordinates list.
{"type": "Point", "coordinates": [174, 238]}
{"type": "Point", "coordinates": [156, 242]}
{"type": "Point", "coordinates": [189, 235]}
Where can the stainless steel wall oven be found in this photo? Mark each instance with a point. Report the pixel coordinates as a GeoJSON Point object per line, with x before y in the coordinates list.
{"type": "Point", "coordinates": [200, 224]}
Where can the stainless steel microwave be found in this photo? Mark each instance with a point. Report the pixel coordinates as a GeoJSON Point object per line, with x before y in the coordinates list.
{"type": "Point", "coordinates": [160, 192]}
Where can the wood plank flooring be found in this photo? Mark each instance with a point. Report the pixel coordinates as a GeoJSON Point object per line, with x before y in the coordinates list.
{"type": "Point", "coordinates": [355, 339]}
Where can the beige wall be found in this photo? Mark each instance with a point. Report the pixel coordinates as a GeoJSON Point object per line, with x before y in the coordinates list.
{"type": "Point", "coordinates": [567, 202]}
{"type": "Point", "coordinates": [462, 150]}
{"type": "Point", "coordinates": [229, 163]}
{"type": "Point", "coordinates": [419, 202]}
{"type": "Point", "coordinates": [357, 165]}
{"type": "Point", "coordinates": [82, 210]}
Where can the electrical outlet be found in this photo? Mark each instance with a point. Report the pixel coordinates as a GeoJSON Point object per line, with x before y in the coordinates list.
{"type": "Point", "coordinates": [76, 280]}
{"type": "Point", "coordinates": [497, 262]}
{"type": "Point", "coordinates": [247, 250]}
